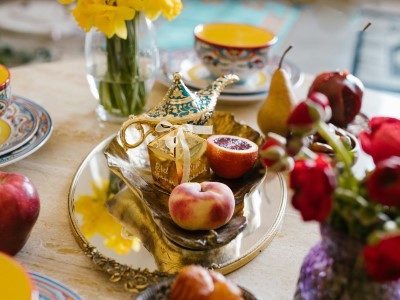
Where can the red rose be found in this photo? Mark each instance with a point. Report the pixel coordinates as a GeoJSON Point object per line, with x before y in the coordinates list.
{"type": "Point", "coordinates": [313, 182]}
{"type": "Point", "coordinates": [384, 183]}
{"type": "Point", "coordinates": [382, 261]}
{"type": "Point", "coordinates": [383, 139]}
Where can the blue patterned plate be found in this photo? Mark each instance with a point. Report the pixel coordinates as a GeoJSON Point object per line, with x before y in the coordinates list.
{"type": "Point", "coordinates": [22, 125]}
{"type": "Point", "coordinates": [196, 75]}
{"type": "Point", "coordinates": [40, 137]}
{"type": "Point", "coordinates": [49, 289]}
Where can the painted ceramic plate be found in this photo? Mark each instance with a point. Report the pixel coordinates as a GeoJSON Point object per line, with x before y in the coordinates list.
{"type": "Point", "coordinates": [50, 289]}
{"type": "Point", "coordinates": [196, 75]}
{"type": "Point", "coordinates": [38, 140]}
{"type": "Point", "coordinates": [19, 124]}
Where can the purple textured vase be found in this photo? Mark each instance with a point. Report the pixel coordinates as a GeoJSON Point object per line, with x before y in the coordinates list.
{"type": "Point", "coordinates": [333, 270]}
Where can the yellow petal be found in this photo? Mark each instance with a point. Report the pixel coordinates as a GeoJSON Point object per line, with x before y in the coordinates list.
{"type": "Point", "coordinates": [120, 29]}
{"type": "Point", "coordinates": [137, 5]}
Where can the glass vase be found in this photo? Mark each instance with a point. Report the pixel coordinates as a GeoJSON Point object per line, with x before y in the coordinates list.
{"type": "Point", "coordinates": [122, 72]}
{"type": "Point", "coordinates": [333, 269]}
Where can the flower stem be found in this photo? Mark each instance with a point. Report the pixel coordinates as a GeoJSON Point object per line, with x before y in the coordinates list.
{"type": "Point", "coordinates": [122, 90]}
{"type": "Point", "coordinates": [341, 152]}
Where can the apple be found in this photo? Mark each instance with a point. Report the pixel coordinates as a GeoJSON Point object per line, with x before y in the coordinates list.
{"type": "Point", "coordinates": [344, 92]}
{"type": "Point", "coordinates": [19, 210]}
{"type": "Point", "coordinates": [201, 206]}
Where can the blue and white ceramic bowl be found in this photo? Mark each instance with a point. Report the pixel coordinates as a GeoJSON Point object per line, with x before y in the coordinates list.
{"type": "Point", "coordinates": [233, 48]}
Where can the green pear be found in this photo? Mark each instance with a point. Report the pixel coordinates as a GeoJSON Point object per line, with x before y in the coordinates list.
{"type": "Point", "coordinates": [278, 105]}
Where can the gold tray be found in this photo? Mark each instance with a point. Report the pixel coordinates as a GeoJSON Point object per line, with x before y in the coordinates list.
{"type": "Point", "coordinates": [133, 168]}
{"type": "Point", "coordinates": [150, 256]}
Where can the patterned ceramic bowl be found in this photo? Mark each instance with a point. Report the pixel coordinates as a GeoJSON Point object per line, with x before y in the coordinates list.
{"type": "Point", "coordinates": [233, 48]}
{"type": "Point", "coordinates": [5, 89]}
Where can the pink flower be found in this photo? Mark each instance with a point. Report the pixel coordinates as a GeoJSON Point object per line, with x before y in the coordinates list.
{"type": "Point", "coordinates": [313, 182]}
{"type": "Point", "coordinates": [308, 113]}
{"type": "Point", "coordinates": [273, 154]}
{"type": "Point", "coordinates": [383, 139]}
{"type": "Point", "coordinates": [382, 261]}
{"type": "Point", "coordinates": [384, 182]}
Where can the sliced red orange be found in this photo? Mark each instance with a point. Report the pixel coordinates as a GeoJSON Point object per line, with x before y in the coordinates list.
{"type": "Point", "coordinates": [231, 156]}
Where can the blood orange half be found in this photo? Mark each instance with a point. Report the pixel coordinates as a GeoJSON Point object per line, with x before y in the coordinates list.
{"type": "Point", "coordinates": [231, 156]}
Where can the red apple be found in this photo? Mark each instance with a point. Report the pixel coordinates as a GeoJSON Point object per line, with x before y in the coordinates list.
{"type": "Point", "coordinates": [201, 206]}
{"type": "Point", "coordinates": [344, 92]}
{"type": "Point", "coordinates": [19, 210]}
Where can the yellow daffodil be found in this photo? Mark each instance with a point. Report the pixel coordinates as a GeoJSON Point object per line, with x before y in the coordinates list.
{"type": "Point", "coordinates": [109, 16]}
{"type": "Point", "coordinates": [169, 8]}
{"type": "Point", "coordinates": [97, 220]}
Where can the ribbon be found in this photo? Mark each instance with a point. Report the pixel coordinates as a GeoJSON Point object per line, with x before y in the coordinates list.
{"type": "Point", "coordinates": [172, 141]}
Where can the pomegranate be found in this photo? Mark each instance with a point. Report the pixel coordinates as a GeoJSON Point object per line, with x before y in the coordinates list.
{"type": "Point", "coordinates": [344, 92]}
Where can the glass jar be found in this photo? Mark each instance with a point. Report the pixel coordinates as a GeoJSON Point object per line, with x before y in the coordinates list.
{"type": "Point", "coordinates": [122, 72]}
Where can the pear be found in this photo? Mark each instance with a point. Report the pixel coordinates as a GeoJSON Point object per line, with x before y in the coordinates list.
{"type": "Point", "coordinates": [279, 103]}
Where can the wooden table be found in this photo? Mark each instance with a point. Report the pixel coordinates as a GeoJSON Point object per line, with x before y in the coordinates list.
{"type": "Point", "coordinates": [61, 88]}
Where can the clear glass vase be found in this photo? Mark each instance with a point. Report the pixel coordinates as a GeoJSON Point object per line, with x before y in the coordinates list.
{"type": "Point", "coordinates": [333, 269]}
{"type": "Point", "coordinates": [122, 72]}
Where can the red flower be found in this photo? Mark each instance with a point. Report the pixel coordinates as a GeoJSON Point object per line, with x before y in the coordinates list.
{"type": "Point", "coordinates": [322, 101]}
{"type": "Point", "coordinates": [384, 183]}
{"type": "Point", "coordinates": [273, 154]}
{"type": "Point", "coordinates": [383, 139]}
{"type": "Point", "coordinates": [382, 261]}
{"type": "Point", "coordinates": [308, 113]}
{"type": "Point", "coordinates": [313, 182]}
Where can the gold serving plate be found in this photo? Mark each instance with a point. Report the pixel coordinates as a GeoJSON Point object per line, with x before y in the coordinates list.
{"type": "Point", "coordinates": [136, 176]}
{"type": "Point", "coordinates": [119, 230]}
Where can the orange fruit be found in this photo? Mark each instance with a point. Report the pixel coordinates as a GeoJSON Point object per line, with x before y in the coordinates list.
{"type": "Point", "coordinates": [15, 282]}
{"type": "Point", "coordinates": [231, 156]}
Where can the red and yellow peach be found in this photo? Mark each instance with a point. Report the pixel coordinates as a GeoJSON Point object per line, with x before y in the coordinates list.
{"type": "Point", "coordinates": [201, 206]}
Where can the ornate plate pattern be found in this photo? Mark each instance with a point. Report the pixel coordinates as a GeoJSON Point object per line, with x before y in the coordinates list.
{"type": "Point", "coordinates": [49, 289]}
{"type": "Point", "coordinates": [41, 136]}
{"type": "Point", "coordinates": [23, 123]}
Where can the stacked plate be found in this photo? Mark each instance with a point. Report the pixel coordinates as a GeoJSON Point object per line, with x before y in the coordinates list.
{"type": "Point", "coordinates": [196, 75]}
{"type": "Point", "coordinates": [24, 128]}
{"type": "Point", "coordinates": [50, 289]}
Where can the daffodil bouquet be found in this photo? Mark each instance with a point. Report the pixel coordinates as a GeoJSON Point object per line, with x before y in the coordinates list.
{"type": "Point", "coordinates": [122, 89]}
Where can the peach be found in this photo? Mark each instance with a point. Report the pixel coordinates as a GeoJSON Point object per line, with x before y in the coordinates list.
{"type": "Point", "coordinates": [231, 156]}
{"type": "Point", "coordinates": [201, 206]}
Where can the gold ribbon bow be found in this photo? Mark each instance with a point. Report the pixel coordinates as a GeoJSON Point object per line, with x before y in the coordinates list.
{"type": "Point", "coordinates": [172, 141]}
